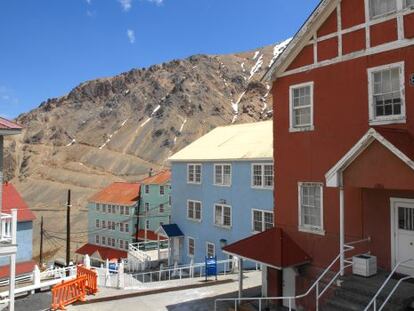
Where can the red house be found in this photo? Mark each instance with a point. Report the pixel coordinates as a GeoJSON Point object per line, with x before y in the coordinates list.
{"type": "Point", "coordinates": [344, 145]}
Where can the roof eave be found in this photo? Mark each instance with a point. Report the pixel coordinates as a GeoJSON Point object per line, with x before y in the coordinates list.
{"type": "Point", "coordinates": [222, 160]}
{"type": "Point", "coordinates": [8, 132]}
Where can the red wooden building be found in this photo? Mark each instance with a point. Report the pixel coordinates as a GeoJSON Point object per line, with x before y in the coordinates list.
{"type": "Point", "coordinates": [344, 143]}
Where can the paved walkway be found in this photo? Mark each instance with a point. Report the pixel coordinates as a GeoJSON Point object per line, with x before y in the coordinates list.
{"type": "Point", "coordinates": [184, 300]}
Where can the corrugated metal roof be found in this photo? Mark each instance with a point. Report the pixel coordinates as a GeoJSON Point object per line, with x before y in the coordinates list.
{"type": "Point", "coordinates": [234, 142]}
{"type": "Point", "coordinates": [118, 193]}
{"type": "Point", "coordinates": [8, 125]}
{"type": "Point", "coordinates": [158, 179]}
{"type": "Point", "coordinates": [12, 200]}
{"type": "Point", "coordinates": [104, 252]}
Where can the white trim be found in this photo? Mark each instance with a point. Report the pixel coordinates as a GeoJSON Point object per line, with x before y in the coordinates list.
{"type": "Point", "coordinates": [333, 176]}
{"type": "Point", "coordinates": [222, 175]}
{"type": "Point", "coordinates": [188, 246]}
{"type": "Point", "coordinates": [306, 228]}
{"type": "Point", "coordinates": [225, 160]}
{"type": "Point", "coordinates": [214, 248]}
{"type": "Point", "coordinates": [386, 119]}
{"type": "Point", "coordinates": [307, 127]}
{"type": "Point", "coordinates": [222, 216]}
{"type": "Point", "coordinates": [263, 187]}
{"type": "Point", "coordinates": [188, 175]}
{"type": "Point", "coordinates": [339, 28]}
{"type": "Point", "coordinates": [201, 211]}
{"type": "Point", "coordinates": [262, 211]}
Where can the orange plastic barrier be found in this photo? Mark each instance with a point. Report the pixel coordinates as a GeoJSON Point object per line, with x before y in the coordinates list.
{"type": "Point", "coordinates": [68, 292]}
{"type": "Point", "coordinates": [91, 279]}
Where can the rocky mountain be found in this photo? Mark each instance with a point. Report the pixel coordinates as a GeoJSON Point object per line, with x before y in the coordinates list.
{"type": "Point", "coordinates": [116, 128]}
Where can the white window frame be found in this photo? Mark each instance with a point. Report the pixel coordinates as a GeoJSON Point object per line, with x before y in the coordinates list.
{"type": "Point", "coordinates": [374, 17]}
{"type": "Point", "coordinates": [163, 190]}
{"type": "Point", "coordinates": [121, 227]}
{"type": "Point", "coordinates": [147, 206]}
{"type": "Point", "coordinates": [252, 176]}
{"type": "Point", "coordinates": [126, 209]}
{"type": "Point", "coordinates": [188, 246]}
{"type": "Point", "coordinates": [103, 240]}
{"type": "Point", "coordinates": [262, 211]}
{"type": "Point", "coordinates": [386, 119]}
{"type": "Point", "coordinates": [147, 224]}
{"type": "Point", "coordinates": [214, 248]}
{"type": "Point", "coordinates": [222, 174]}
{"type": "Point", "coordinates": [146, 189]}
{"type": "Point", "coordinates": [126, 227]}
{"type": "Point", "coordinates": [201, 211]}
{"type": "Point", "coordinates": [407, 6]}
{"type": "Point", "coordinates": [97, 239]}
{"type": "Point", "coordinates": [188, 173]}
{"type": "Point", "coordinates": [97, 223]}
{"type": "Point", "coordinates": [221, 224]}
{"type": "Point", "coordinates": [307, 127]}
{"type": "Point", "coordinates": [162, 208]}
{"type": "Point", "coordinates": [121, 244]}
{"type": "Point", "coordinates": [307, 228]}
{"type": "Point", "coordinates": [97, 207]}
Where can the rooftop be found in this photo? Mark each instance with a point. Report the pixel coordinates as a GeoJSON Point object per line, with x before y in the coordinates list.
{"type": "Point", "coordinates": [118, 193]}
{"type": "Point", "coordinates": [13, 200]}
{"type": "Point", "coordinates": [235, 142]}
{"type": "Point", "coordinates": [103, 252]}
{"type": "Point", "coordinates": [8, 127]}
{"type": "Point", "coordinates": [157, 179]}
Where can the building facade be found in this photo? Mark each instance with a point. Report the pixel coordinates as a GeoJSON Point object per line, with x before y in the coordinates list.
{"type": "Point", "coordinates": [222, 190]}
{"type": "Point", "coordinates": [344, 93]}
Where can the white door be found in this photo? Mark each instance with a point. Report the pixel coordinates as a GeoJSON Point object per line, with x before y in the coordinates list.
{"type": "Point", "coordinates": [404, 235]}
{"type": "Point", "coordinates": [289, 286]}
{"type": "Point", "coordinates": [176, 248]}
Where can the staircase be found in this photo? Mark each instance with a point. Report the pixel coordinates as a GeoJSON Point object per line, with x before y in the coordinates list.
{"type": "Point", "coordinates": [356, 292]}
{"type": "Point", "coordinates": [137, 260]}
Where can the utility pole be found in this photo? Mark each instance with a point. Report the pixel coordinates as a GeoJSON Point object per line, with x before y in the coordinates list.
{"type": "Point", "coordinates": [68, 230]}
{"type": "Point", "coordinates": [41, 242]}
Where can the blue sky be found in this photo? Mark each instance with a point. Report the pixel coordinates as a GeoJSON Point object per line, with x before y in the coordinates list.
{"type": "Point", "coordinates": [47, 47]}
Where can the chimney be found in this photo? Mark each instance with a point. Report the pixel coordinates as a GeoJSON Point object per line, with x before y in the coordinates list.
{"type": "Point", "coordinates": [150, 172]}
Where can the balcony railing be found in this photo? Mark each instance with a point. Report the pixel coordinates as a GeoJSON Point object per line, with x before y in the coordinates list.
{"type": "Point", "coordinates": [8, 227]}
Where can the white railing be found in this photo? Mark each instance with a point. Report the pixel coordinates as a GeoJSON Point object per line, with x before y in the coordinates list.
{"type": "Point", "coordinates": [137, 253]}
{"type": "Point", "coordinates": [316, 286]}
{"type": "Point", "coordinates": [6, 221]}
{"type": "Point", "coordinates": [57, 273]}
{"type": "Point", "coordinates": [151, 245]}
{"type": "Point", "coordinates": [178, 273]}
{"type": "Point", "coordinates": [373, 302]}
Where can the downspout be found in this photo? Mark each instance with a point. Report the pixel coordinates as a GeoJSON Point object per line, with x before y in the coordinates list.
{"type": "Point", "coordinates": [341, 224]}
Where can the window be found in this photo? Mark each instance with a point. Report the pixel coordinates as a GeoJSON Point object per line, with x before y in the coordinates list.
{"type": "Point", "coordinates": [169, 219]}
{"type": "Point", "coordinates": [147, 189]}
{"type": "Point", "coordinates": [191, 247]}
{"type": "Point", "coordinates": [379, 8]}
{"type": "Point", "coordinates": [311, 207]}
{"type": "Point", "coordinates": [386, 98]}
{"type": "Point", "coordinates": [103, 224]}
{"type": "Point", "coordinates": [301, 107]}
{"type": "Point", "coordinates": [127, 210]}
{"type": "Point", "coordinates": [161, 223]}
{"type": "Point", "coordinates": [103, 240]}
{"type": "Point", "coordinates": [162, 208]}
{"type": "Point", "coordinates": [210, 249]}
{"type": "Point", "coordinates": [262, 220]}
{"type": "Point", "coordinates": [97, 223]}
{"type": "Point", "coordinates": [121, 210]}
{"type": "Point", "coordinates": [169, 200]}
{"type": "Point", "coordinates": [222, 215]}
{"type": "Point", "coordinates": [147, 206]}
{"type": "Point", "coordinates": [97, 207]}
{"type": "Point", "coordinates": [194, 210]}
{"type": "Point", "coordinates": [262, 176]}
{"type": "Point", "coordinates": [121, 227]}
{"type": "Point", "coordinates": [147, 224]}
{"type": "Point", "coordinates": [113, 242]}
{"type": "Point", "coordinates": [409, 3]}
{"type": "Point", "coordinates": [97, 239]}
{"type": "Point", "coordinates": [194, 173]}
{"type": "Point", "coordinates": [126, 244]}
{"type": "Point", "coordinates": [121, 243]}
{"type": "Point", "coordinates": [126, 227]}
{"type": "Point", "coordinates": [103, 208]}
{"type": "Point", "coordinates": [162, 190]}
{"type": "Point", "coordinates": [222, 174]}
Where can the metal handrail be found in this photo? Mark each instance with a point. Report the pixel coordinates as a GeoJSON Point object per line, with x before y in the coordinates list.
{"type": "Point", "coordinates": [374, 299]}
{"type": "Point", "coordinates": [348, 247]}
{"type": "Point", "coordinates": [138, 253]}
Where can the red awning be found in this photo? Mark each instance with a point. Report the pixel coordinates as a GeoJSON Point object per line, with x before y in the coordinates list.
{"type": "Point", "coordinates": [273, 248]}
{"type": "Point", "coordinates": [104, 252]}
{"type": "Point", "coordinates": [21, 268]}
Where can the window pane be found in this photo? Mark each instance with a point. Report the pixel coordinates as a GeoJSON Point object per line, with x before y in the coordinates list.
{"type": "Point", "coordinates": [381, 7]}
{"type": "Point", "coordinates": [257, 175]}
{"type": "Point", "coordinates": [257, 221]}
{"type": "Point", "coordinates": [227, 216]}
{"type": "Point", "coordinates": [268, 175]}
{"type": "Point", "coordinates": [198, 173]}
{"type": "Point", "coordinates": [218, 215]}
{"type": "Point", "coordinates": [387, 93]}
{"type": "Point", "coordinates": [227, 175]}
{"type": "Point", "coordinates": [218, 174]}
{"type": "Point", "coordinates": [409, 3]}
{"type": "Point", "coordinates": [311, 205]}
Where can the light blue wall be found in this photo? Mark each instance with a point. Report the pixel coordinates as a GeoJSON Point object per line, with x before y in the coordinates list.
{"type": "Point", "coordinates": [24, 243]}
{"type": "Point", "coordinates": [241, 196]}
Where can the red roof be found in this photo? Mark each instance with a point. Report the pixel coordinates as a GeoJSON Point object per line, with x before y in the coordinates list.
{"type": "Point", "coordinates": [158, 179]}
{"type": "Point", "coordinates": [11, 200]}
{"type": "Point", "coordinates": [151, 235]}
{"type": "Point", "coordinates": [272, 247]}
{"type": "Point", "coordinates": [118, 193]}
{"type": "Point", "coordinates": [104, 252]}
{"type": "Point", "coordinates": [21, 268]}
{"type": "Point", "coordinates": [8, 125]}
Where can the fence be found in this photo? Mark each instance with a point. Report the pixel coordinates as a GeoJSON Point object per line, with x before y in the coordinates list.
{"type": "Point", "coordinates": [91, 279]}
{"type": "Point", "coordinates": [68, 292]}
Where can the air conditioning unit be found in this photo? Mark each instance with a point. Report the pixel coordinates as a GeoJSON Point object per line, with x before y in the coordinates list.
{"type": "Point", "coordinates": [364, 265]}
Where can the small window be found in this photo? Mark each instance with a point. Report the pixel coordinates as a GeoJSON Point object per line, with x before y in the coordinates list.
{"type": "Point", "coordinates": [97, 239]}
{"type": "Point", "coordinates": [147, 206]}
{"type": "Point", "coordinates": [386, 88]}
{"type": "Point", "coordinates": [97, 207]}
{"type": "Point", "coordinates": [262, 176]}
{"type": "Point", "coordinates": [127, 210]}
{"type": "Point", "coordinates": [222, 174]}
{"type": "Point", "coordinates": [121, 227]}
{"type": "Point", "coordinates": [121, 243]}
{"type": "Point", "coordinates": [409, 3]}
{"type": "Point", "coordinates": [121, 210]}
{"type": "Point", "coordinates": [194, 210]}
{"type": "Point", "coordinates": [210, 250]}
{"type": "Point", "coordinates": [126, 244]}
{"type": "Point", "coordinates": [113, 242]}
{"type": "Point", "coordinates": [222, 215]}
{"type": "Point", "coordinates": [162, 208]}
{"type": "Point", "coordinates": [191, 247]}
{"type": "Point", "coordinates": [146, 189]}
{"type": "Point", "coordinates": [126, 227]}
{"type": "Point", "coordinates": [378, 8]}
{"type": "Point", "coordinates": [147, 224]}
{"type": "Point", "coordinates": [262, 220]}
{"type": "Point", "coordinates": [103, 240]}
{"type": "Point", "coordinates": [169, 200]}
{"type": "Point", "coordinates": [97, 223]}
{"type": "Point", "coordinates": [103, 208]}
{"type": "Point", "coordinates": [103, 224]}
{"type": "Point", "coordinates": [301, 107]}
{"type": "Point", "coordinates": [162, 190]}
{"type": "Point", "coordinates": [194, 173]}
{"type": "Point", "coordinates": [311, 207]}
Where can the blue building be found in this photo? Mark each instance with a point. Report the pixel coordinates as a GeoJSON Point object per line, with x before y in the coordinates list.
{"type": "Point", "coordinates": [222, 190]}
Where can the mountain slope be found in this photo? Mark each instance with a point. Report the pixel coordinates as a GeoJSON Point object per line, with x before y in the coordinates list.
{"type": "Point", "coordinates": [116, 128]}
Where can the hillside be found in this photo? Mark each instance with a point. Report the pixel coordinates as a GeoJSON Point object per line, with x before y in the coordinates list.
{"type": "Point", "coordinates": [116, 128]}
